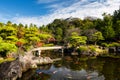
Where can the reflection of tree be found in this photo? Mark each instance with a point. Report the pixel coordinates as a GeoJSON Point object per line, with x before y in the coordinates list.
{"type": "Point", "coordinates": [75, 66]}
{"type": "Point", "coordinates": [111, 70]}
{"type": "Point", "coordinates": [117, 70]}
{"type": "Point", "coordinates": [95, 65]}
{"type": "Point", "coordinates": [108, 69]}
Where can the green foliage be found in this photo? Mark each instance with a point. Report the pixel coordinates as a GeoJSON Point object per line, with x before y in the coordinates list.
{"type": "Point", "coordinates": [116, 16]}
{"type": "Point", "coordinates": [117, 28]}
{"type": "Point", "coordinates": [48, 45]}
{"type": "Point", "coordinates": [44, 36]}
{"type": "Point", "coordinates": [34, 39]}
{"type": "Point", "coordinates": [59, 33]}
{"type": "Point", "coordinates": [6, 48]}
{"type": "Point", "coordinates": [76, 40]}
{"type": "Point", "coordinates": [12, 35]}
{"type": "Point", "coordinates": [74, 34]}
{"type": "Point", "coordinates": [88, 24]}
{"type": "Point", "coordinates": [58, 28]}
{"type": "Point", "coordinates": [92, 48]}
{"type": "Point", "coordinates": [7, 59]}
{"type": "Point", "coordinates": [104, 44]}
{"type": "Point", "coordinates": [11, 39]}
{"type": "Point", "coordinates": [107, 30]}
{"type": "Point", "coordinates": [82, 49]}
{"type": "Point", "coordinates": [114, 44]}
{"type": "Point", "coordinates": [97, 36]}
{"type": "Point", "coordinates": [89, 34]}
{"type": "Point", "coordinates": [1, 39]}
{"type": "Point", "coordinates": [22, 40]}
{"type": "Point", "coordinates": [7, 31]}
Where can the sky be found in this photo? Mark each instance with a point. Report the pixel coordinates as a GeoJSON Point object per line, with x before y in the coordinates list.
{"type": "Point", "coordinates": [43, 12]}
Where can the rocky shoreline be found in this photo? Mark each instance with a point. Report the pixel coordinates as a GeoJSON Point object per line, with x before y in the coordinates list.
{"type": "Point", "coordinates": [13, 70]}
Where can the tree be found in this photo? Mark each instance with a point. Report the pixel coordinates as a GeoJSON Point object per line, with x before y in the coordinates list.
{"type": "Point", "coordinates": [11, 39]}
{"type": "Point", "coordinates": [116, 22]}
{"type": "Point", "coordinates": [97, 36]}
{"type": "Point", "coordinates": [9, 23]}
{"type": "Point", "coordinates": [117, 28]}
{"type": "Point", "coordinates": [76, 40]}
{"type": "Point", "coordinates": [59, 34]}
{"type": "Point", "coordinates": [1, 39]}
{"type": "Point", "coordinates": [20, 31]}
{"type": "Point", "coordinates": [88, 24]}
{"type": "Point", "coordinates": [107, 29]}
{"type": "Point", "coordinates": [116, 16]}
{"type": "Point", "coordinates": [57, 27]}
{"type": "Point", "coordinates": [88, 33]}
{"type": "Point", "coordinates": [7, 31]}
{"type": "Point", "coordinates": [1, 24]}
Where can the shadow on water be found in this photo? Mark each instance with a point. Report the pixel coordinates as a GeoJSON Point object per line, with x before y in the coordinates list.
{"type": "Point", "coordinates": [74, 69]}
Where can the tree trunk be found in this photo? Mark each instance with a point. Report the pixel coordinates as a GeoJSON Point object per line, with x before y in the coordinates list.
{"type": "Point", "coordinates": [95, 43]}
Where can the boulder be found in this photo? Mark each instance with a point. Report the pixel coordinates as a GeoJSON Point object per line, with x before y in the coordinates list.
{"type": "Point", "coordinates": [112, 50]}
{"type": "Point", "coordinates": [13, 70]}
{"type": "Point", "coordinates": [10, 70]}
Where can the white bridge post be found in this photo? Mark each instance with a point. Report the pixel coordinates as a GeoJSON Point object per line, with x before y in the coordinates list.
{"type": "Point", "coordinates": [39, 52]}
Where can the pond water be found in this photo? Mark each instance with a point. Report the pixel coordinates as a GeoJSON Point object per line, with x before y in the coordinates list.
{"type": "Point", "coordinates": [91, 69]}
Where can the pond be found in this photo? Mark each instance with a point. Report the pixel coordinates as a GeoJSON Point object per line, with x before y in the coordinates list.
{"type": "Point", "coordinates": [75, 69]}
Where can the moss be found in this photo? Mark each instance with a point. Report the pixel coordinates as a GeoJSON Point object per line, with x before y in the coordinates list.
{"type": "Point", "coordinates": [7, 59]}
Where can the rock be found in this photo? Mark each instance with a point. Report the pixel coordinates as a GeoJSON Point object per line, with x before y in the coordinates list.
{"type": "Point", "coordinates": [112, 50]}
{"type": "Point", "coordinates": [1, 58]}
{"type": "Point", "coordinates": [10, 70]}
{"type": "Point", "coordinates": [34, 66]}
{"type": "Point", "coordinates": [13, 70]}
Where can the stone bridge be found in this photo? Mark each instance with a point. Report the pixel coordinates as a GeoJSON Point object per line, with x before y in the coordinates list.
{"type": "Point", "coordinates": [38, 50]}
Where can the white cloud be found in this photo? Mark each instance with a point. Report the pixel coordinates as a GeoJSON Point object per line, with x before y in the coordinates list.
{"type": "Point", "coordinates": [79, 9]}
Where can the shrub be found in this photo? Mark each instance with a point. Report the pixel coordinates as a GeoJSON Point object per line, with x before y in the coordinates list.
{"type": "Point", "coordinates": [92, 48]}
{"type": "Point", "coordinates": [82, 49]}
{"type": "Point", "coordinates": [114, 44]}
{"type": "Point", "coordinates": [6, 48]}
{"type": "Point", "coordinates": [104, 45]}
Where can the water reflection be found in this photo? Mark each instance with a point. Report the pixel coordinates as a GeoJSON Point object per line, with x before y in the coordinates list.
{"type": "Point", "coordinates": [92, 69]}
